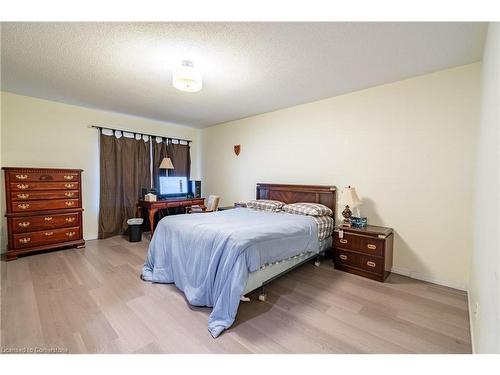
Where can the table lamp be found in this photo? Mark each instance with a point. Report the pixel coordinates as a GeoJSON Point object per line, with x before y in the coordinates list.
{"type": "Point", "coordinates": [350, 200]}
{"type": "Point", "coordinates": [166, 163]}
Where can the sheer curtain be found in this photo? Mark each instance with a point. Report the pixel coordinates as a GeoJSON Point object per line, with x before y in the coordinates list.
{"type": "Point", "coordinates": [124, 171]}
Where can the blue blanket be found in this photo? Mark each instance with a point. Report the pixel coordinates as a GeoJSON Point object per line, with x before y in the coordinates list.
{"type": "Point", "coordinates": [209, 255]}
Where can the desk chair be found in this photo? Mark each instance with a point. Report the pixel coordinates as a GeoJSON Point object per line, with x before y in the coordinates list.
{"type": "Point", "coordinates": [212, 205]}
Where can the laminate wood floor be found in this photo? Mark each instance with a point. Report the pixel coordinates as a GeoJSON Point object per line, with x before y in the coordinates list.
{"type": "Point", "coordinates": [92, 301]}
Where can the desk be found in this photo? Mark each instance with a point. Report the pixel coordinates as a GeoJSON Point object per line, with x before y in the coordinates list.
{"type": "Point", "coordinates": [153, 207]}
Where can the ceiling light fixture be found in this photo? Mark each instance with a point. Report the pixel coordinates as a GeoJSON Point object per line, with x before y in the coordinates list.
{"type": "Point", "coordinates": [187, 78]}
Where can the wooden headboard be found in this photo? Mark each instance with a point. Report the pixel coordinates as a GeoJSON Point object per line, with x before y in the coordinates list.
{"type": "Point", "coordinates": [298, 193]}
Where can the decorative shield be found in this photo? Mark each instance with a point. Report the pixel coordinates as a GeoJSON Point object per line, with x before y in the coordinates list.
{"type": "Point", "coordinates": [237, 149]}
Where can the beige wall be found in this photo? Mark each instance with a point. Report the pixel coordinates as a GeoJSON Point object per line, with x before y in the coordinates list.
{"type": "Point", "coordinates": [41, 133]}
{"type": "Point", "coordinates": [484, 289]}
{"type": "Point", "coordinates": [408, 148]}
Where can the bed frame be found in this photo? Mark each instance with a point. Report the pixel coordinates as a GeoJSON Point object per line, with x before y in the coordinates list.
{"type": "Point", "coordinates": [325, 195]}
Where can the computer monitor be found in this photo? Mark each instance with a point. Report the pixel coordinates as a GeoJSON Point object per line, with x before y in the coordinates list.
{"type": "Point", "coordinates": [173, 186]}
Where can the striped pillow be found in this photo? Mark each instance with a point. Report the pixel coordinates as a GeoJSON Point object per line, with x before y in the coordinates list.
{"type": "Point", "coordinates": [265, 205]}
{"type": "Point", "coordinates": [325, 226]}
{"type": "Point", "coordinates": [312, 209]}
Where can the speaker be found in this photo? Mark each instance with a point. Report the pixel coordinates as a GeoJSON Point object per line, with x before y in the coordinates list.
{"type": "Point", "coordinates": [195, 188]}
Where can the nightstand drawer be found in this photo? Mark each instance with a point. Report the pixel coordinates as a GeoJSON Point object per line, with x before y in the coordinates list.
{"type": "Point", "coordinates": [363, 262]}
{"type": "Point", "coordinates": [347, 258]}
{"type": "Point", "coordinates": [363, 244]}
{"type": "Point", "coordinates": [371, 264]}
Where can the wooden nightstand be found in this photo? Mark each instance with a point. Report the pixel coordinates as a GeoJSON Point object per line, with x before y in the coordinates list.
{"type": "Point", "coordinates": [364, 251]}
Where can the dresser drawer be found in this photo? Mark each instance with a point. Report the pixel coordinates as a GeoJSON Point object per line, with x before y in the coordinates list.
{"type": "Point", "coordinates": [42, 222]}
{"type": "Point", "coordinates": [363, 244]}
{"type": "Point", "coordinates": [363, 262]}
{"type": "Point", "coordinates": [45, 177]}
{"type": "Point", "coordinates": [45, 237]}
{"type": "Point", "coordinates": [56, 204]}
{"type": "Point", "coordinates": [36, 195]}
{"type": "Point", "coordinates": [24, 186]}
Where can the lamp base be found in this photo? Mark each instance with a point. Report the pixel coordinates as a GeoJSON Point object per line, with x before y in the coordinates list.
{"type": "Point", "coordinates": [345, 224]}
{"type": "Point", "coordinates": [347, 213]}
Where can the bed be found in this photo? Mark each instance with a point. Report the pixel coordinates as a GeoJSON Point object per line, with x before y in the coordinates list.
{"type": "Point", "coordinates": [217, 258]}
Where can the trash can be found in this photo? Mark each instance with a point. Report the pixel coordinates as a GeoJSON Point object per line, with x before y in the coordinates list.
{"type": "Point", "coordinates": [135, 229]}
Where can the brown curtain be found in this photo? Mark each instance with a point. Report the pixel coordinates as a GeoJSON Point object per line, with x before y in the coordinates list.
{"type": "Point", "coordinates": [181, 159]}
{"type": "Point", "coordinates": [125, 170]}
{"type": "Point", "coordinates": [179, 154]}
{"type": "Point", "coordinates": [159, 152]}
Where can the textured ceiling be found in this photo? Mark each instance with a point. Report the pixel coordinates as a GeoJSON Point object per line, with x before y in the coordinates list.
{"type": "Point", "coordinates": [248, 68]}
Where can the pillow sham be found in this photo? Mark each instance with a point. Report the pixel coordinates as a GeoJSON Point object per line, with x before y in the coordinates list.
{"type": "Point", "coordinates": [265, 205]}
{"type": "Point", "coordinates": [312, 209]}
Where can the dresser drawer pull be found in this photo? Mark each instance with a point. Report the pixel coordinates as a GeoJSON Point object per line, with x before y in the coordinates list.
{"type": "Point", "coordinates": [23, 206]}
{"type": "Point", "coordinates": [69, 186]}
{"type": "Point", "coordinates": [21, 176]}
{"type": "Point", "coordinates": [23, 196]}
{"type": "Point", "coordinates": [25, 240]}
{"type": "Point", "coordinates": [48, 218]}
{"type": "Point", "coordinates": [69, 194]}
{"type": "Point", "coordinates": [24, 224]}
{"type": "Point", "coordinates": [49, 233]}
{"type": "Point", "coordinates": [371, 264]}
{"type": "Point", "coordinates": [22, 186]}
{"type": "Point", "coordinates": [70, 219]}
{"type": "Point", "coordinates": [70, 234]}
{"type": "Point", "coordinates": [69, 177]}
{"type": "Point", "coordinates": [69, 204]}
{"type": "Point", "coordinates": [343, 240]}
{"type": "Point", "coordinates": [371, 247]}
{"type": "Point", "coordinates": [343, 257]}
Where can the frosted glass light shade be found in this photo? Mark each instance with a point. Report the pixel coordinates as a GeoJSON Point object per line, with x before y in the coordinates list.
{"type": "Point", "coordinates": [349, 197]}
{"type": "Point", "coordinates": [166, 163]}
{"type": "Point", "coordinates": [187, 78]}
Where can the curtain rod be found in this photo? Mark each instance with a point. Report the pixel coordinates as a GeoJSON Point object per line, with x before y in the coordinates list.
{"type": "Point", "coordinates": [149, 135]}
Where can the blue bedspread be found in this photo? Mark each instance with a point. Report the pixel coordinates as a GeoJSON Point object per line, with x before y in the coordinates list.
{"type": "Point", "coordinates": [209, 255]}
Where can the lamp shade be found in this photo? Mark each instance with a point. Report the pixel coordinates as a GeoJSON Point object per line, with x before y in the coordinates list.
{"type": "Point", "coordinates": [166, 163]}
{"type": "Point", "coordinates": [349, 197]}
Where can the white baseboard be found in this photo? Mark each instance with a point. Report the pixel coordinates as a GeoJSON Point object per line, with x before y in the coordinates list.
{"type": "Point", "coordinates": [471, 326]}
{"type": "Point", "coordinates": [430, 279]}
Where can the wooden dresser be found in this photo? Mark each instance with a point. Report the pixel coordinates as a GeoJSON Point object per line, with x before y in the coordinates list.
{"type": "Point", "coordinates": [364, 251]}
{"type": "Point", "coordinates": [44, 209]}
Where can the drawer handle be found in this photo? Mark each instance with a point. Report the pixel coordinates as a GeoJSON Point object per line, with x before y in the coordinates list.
{"type": "Point", "coordinates": [25, 240]}
{"type": "Point", "coordinates": [371, 247]}
{"type": "Point", "coordinates": [69, 194]}
{"type": "Point", "coordinates": [69, 177]}
{"type": "Point", "coordinates": [21, 176]}
{"type": "Point", "coordinates": [343, 241]}
{"type": "Point", "coordinates": [70, 219]}
{"type": "Point", "coordinates": [69, 186]}
{"type": "Point", "coordinates": [49, 233]}
{"type": "Point", "coordinates": [23, 206]}
{"type": "Point", "coordinates": [69, 204]}
{"type": "Point", "coordinates": [343, 257]}
{"type": "Point", "coordinates": [24, 224]}
{"type": "Point", "coordinates": [22, 186]}
{"type": "Point", "coordinates": [70, 234]}
{"type": "Point", "coordinates": [371, 264]}
{"type": "Point", "coordinates": [48, 218]}
{"type": "Point", "coordinates": [23, 196]}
